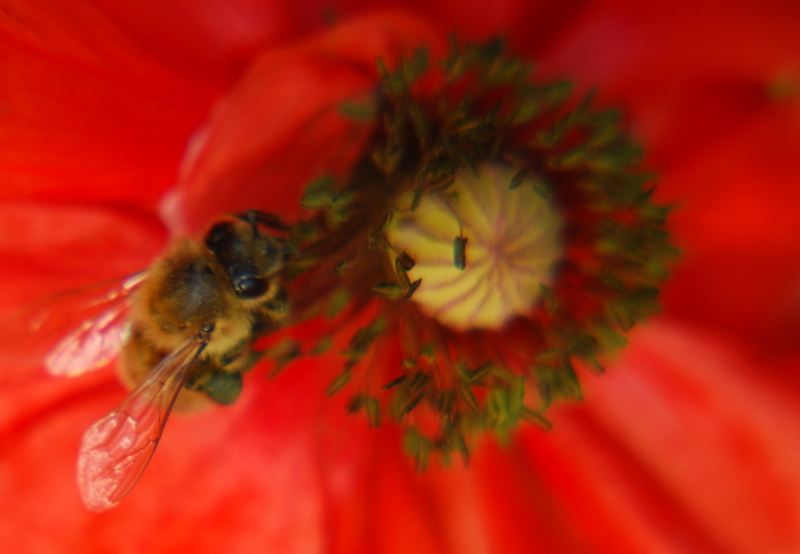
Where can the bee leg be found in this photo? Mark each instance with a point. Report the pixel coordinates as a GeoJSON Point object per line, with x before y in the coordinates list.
{"type": "Point", "coordinates": [223, 387]}
{"type": "Point", "coordinates": [220, 385]}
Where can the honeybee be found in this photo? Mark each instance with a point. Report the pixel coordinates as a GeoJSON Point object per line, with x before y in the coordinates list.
{"type": "Point", "coordinates": [188, 322]}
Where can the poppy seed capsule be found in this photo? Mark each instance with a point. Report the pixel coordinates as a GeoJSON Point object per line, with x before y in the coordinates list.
{"type": "Point", "coordinates": [483, 248]}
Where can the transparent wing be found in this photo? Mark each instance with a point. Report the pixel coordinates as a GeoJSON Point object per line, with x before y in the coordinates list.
{"type": "Point", "coordinates": [116, 450]}
{"type": "Point", "coordinates": [96, 340]}
{"type": "Point", "coordinates": [74, 332]}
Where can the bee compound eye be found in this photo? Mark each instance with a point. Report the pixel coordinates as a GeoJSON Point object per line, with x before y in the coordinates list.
{"type": "Point", "coordinates": [219, 237]}
{"type": "Point", "coordinates": [250, 287]}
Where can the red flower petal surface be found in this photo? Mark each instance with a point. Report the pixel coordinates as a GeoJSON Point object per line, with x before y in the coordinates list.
{"type": "Point", "coordinates": [215, 40]}
{"type": "Point", "coordinates": [280, 127]}
{"type": "Point", "coordinates": [88, 115]}
{"type": "Point", "coordinates": [702, 431]}
{"type": "Point", "coordinates": [51, 248]}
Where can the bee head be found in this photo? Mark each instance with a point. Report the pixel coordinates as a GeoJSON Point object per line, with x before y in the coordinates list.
{"type": "Point", "coordinates": [250, 257]}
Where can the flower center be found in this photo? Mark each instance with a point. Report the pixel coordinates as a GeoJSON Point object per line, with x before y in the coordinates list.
{"type": "Point", "coordinates": [520, 239]}
{"type": "Point", "coordinates": [483, 248]}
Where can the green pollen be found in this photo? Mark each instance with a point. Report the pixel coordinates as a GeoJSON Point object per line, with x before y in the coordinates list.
{"type": "Point", "coordinates": [496, 233]}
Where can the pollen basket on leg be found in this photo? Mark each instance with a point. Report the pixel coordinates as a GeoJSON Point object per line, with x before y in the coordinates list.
{"type": "Point", "coordinates": [512, 247]}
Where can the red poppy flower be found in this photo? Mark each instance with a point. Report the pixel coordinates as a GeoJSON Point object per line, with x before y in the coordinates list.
{"type": "Point", "coordinates": [687, 443]}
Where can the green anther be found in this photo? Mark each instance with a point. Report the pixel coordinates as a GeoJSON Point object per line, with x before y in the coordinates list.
{"type": "Point", "coordinates": [383, 72]}
{"type": "Point", "coordinates": [502, 373]}
{"type": "Point", "coordinates": [548, 298]}
{"type": "Point", "coordinates": [420, 125]}
{"type": "Point", "coordinates": [469, 398]}
{"type": "Point", "coordinates": [372, 408]}
{"type": "Point", "coordinates": [573, 159]}
{"type": "Point", "coordinates": [559, 382]}
{"type": "Point", "coordinates": [372, 240]}
{"type": "Point", "coordinates": [359, 112]}
{"type": "Point", "coordinates": [461, 447]}
{"type": "Point", "coordinates": [337, 301]}
{"type": "Point", "coordinates": [418, 447]}
{"type": "Point", "coordinates": [322, 346]}
{"type": "Point", "coordinates": [416, 67]}
{"type": "Point", "coordinates": [609, 340]}
{"type": "Point", "coordinates": [282, 354]}
{"type": "Point", "coordinates": [384, 221]}
{"type": "Point", "coordinates": [497, 405]}
{"type": "Point", "coordinates": [412, 287]}
{"type": "Point", "coordinates": [535, 418]}
{"type": "Point", "coordinates": [657, 215]}
{"type": "Point", "coordinates": [446, 401]}
{"type": "Point", "coordinates": [401, 269]}
{"type": "Point", "coordinates": [609, 279]}
{"type": "Point", "coordinates": [427, 353]}
{"type": "Point", "coordinates": [594, 363]}
{"type": "Point", "coordinates": [411, 405]}
{"type": "Point", "coordinates": [341, 380]}
{"type": "Point", "coordinates": [548, 355]}
{"type": "Point", "coordinates": [318, 193]}
{"type": "Point", "coordinates": [394, 382]}
{"type": "Point", "coordinates": [542, 187]}
{"type": "Point", "coordinates": [356, 403]}
{"type": "Point", "coordinates": [342, 267]}
{"type": "Point", "coordinates": [405, 262]}
{"type": "Point", "coordinates": [517, 394]}
{"type": "Point", "coordinates": [460, 253]}
{"type": "Point", "coordinates": [418, 380]}
{"type": "Point", "coordinates": [417, 197]}
{"type": "Point", "coordinates": [479, 374]}
{"type": "Point", "coordinates": [536, 100]}
{"type": "Point", "coordinates": [463, 372]}
{"type": "Point", "coordinates": [517, 179]}
{"type": "Point", "coordinates": [363, 338]}
{"type": "Point", "coordinates": [339, 209]}
{"type": "Point", "coordinates": [392, 291]}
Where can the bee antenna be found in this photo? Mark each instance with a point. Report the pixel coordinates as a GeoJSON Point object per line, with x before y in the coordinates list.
{"type": "Point", "coordinates": [257, 217]}
{"type": "Point", "coordinates": [253, 219]}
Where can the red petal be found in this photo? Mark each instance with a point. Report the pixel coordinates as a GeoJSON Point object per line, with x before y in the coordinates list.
{"type": "Point", "coordinates": [215, 39]}
{"type": "Point", "coordinates": [684, 71]}
{"type": "Point", "coordinates": [48, 249]}
{"type": "Point", "coordinates": [675, 448]}
{"type": "Point", "coordinates": [280, 127]}
{"type": "Point", "coordinates": [88, 115]}
{"type": "Point", "coordinates": [738, 228]}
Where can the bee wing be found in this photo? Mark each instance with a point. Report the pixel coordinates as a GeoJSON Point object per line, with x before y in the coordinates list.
{"type": "Point", "coordinates": [115, 451]}
{"type": "Point", "coordinates": [74, 332]}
